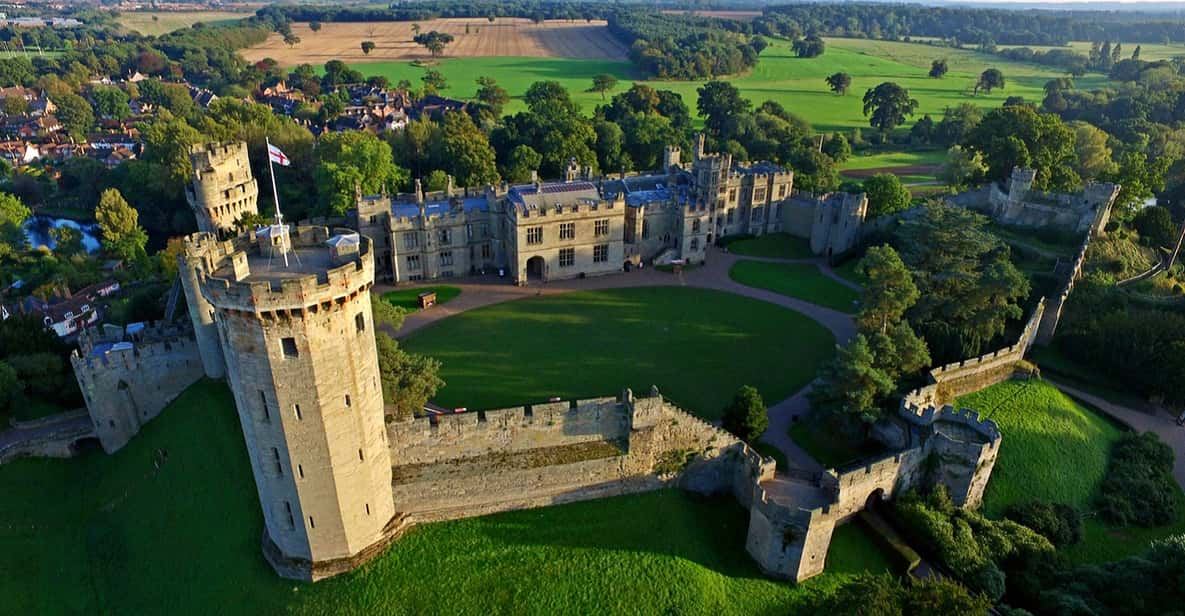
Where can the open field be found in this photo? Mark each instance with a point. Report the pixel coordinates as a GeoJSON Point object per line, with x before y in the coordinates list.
{"type": "Point", "coordinates": [506, 37]}
{"type": "Point", "coordinates": [798, 84]}
{"type": "Point", "coordinates": [167, 21]}
{"type": "Point", "coordinates": [773, 245]}
{"type": "Point", "coordinates": [697, 346]}
{"type": "Point", "coordinates": [30, 53]}
{"type": "Point", "coordinates": [737, 15]}
{"type": "Point", "coordinates": [113, 535]}
{"type": "Point", "coordinates": [799, 280]}
{"type": "Point", "coordinates": [1148, 51]}
{"type": "Point", "coordinates": [1057, 449]}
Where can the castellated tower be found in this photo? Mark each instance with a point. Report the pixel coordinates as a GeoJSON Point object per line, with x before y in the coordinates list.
{"type": "Point", "coordinates": [300, 355]}
{"type": "Point", "coordinates": [223, 189]}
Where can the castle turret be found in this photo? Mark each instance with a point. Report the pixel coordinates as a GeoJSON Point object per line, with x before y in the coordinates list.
{"type": "Point", "coordinates": [1020, 182]}
{"type": "Point", "coordinates": [303, 368]}
{"type": "Point", "coordinates": [670, 158]}
{"type": "Point", "coordinates": [223, 189]}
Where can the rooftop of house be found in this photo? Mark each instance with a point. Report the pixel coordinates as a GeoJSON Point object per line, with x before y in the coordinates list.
{"type": "Point", "coordinates": [526, 197]}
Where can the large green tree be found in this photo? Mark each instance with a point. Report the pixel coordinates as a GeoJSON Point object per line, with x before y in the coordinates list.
{"type": "Point", "coordinates": [887, 105]}
{"type": "Point", "coordinates": [119, 226]}
{"type": "Point", "coordinates": [467, 152]}
{"type": "Point", "coordinates": [75, 114]}
{"type": "Point", "coordinates": [718, 102]}
{"type": "Point", "coordinates": [1019, 136]}
{"type": "Point", "coordinates": [989, 80]}
{"type": "Point", "coordinates": [886, 195]}
{"type": "Point", "coordinates": [850, 385]}
{"type": "Point", "coordinates": [354, 161]}
{"type": "Point", "coordinates": [746, 415]}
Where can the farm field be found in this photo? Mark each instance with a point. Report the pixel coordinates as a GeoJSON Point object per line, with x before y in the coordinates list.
{"type": "Point", "coordinates": [596, 343]}
{"type": "Point", "coordinates": [798, 280]}
{"type": "Point", "coordinates": [167, 21]}
{"type": "Point", "coordinates": [796, 83]}
{"type": "Point", "coordinates": [1148, 51]}
{"type": "Point", "coordinates": [184, 539]}
{"type": "Point", "coordinates": [505, 37]}
{"type": "Point", "coordinates": [1056, 449]}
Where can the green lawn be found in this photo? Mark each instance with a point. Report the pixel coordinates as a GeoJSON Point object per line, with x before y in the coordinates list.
{"type": "Point", "coordinates": [109, 534]}
{"type": "Point", "coordinates": [799, 280]}
{"type": "Point", "coordinates": [894, 158]}
{"type": "Point", "coordinates": [1148, 51]}
{"type": "Point", "coordinates": [828, 446]}
{"type": "Point", "coordinates": [847, 271]}
{"type": "Point", "coordinates": [697, 346]}
{"type": "Point", "coordinates": [409, 299]}
{"type": "Point", "coordinates": [1056, 449]}
{"type": "Point", "coordinates": [798, 84]}
{"type": "Point", "coordinates": [772, 245]}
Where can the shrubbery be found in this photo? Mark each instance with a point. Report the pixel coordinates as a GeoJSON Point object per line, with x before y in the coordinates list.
{"type": "Point", "coordinates": [1138, 488]}
{"type": "Point", "coordinates": [1061, 524]}
{"type": "Point", "coordinates": [884, 595]}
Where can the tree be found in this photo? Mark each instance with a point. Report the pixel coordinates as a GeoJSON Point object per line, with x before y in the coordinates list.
{"type": "Point", "coordinates": [409, 379]}
{"type": "Point", "coordinates": [809, 47]}
{"type": "Point", "coordinates": [521, 162]}
{"type": "Point", "coordinates": [1018, 136]}
{"type": "Point", "coordinates": [67, 241]}
{"type": "Point", "coordinates": [882, 595]}
{"type": "Point", "coordinates": [718, 102]}
{"type": "Point", "coordinates": [837, 147]}
{"type": "Point", "coordinates": [1091, 150]}
{"type": "Point", "coordinates": [492, 95]}
{"type": "Point", "coordinates": [1139, 180]}
{"type": "Point", "coordinates": [886, 195]}
{"type": "Point", "coordinates": [434, 41]}
{"type": "Point", "coordinates": [988, 80]}
{"type": "Point", "coordinates": [850, 385]}
{"type": "Point", "coordinates": [119, 226]}
{"type": "Point", "coordinates": [10, 385]}
{"type": "Point", "coordinates": [467, 151]}
{"type": "Point", "coordinates": [368, 46]}
{"type": "Point", "coordinates": [167, 142]}
{"type": "Point", "coordinates": [74, 114]}
{"type": "Point", "coordinates": [938, 68]}
{"type": "Point", "coordinates": [111, 102]}
{"type": "Point", "coordinates": [1155, 226]}
{"type": "Point", "coordinates": [839, 83]}
{"type": "Point", "coordinates": [962, 168]}
{"type": "Point", "coordinates": [351, 161]}
{"type": "Point", "coordinates": [603, 83]}
{"type": "Point", "coordinates": [746, 415]}
{"type": "Point", "coordinates": [887, 106]}
{"type": "Point", "coordinates": [15, 105]}
{"type": "Point", "coordinates": [434, 81]}
{"type": "Point", "coordinates": [290, 39]}
{"type": "Point", "coordinates": [889, 289]}
{"type": "Point", "coordinates": [315, 26]}
{"type": "Point", "coordinates": [12, 211]}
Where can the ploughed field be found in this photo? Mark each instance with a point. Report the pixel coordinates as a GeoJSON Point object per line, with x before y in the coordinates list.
{"type": "Point", "coordinates": [156, 23]}
{"type": "Point", "coordinates": [698, 346]}
{"type": "Point", "coordinates": [474, 38]}
{"type": "Point", "coordinates": [117, 534]}
{"type": "Point", "coordinates": [797, 83]}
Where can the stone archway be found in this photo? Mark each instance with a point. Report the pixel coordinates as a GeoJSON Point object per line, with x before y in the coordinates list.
{"type": "Point", "coordinates": [874, 499]}
{"type": "Point", "coordinates": [536, 268]}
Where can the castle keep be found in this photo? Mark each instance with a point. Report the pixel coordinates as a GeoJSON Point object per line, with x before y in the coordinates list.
{"type": "Point", "coordinates": [223, 189]}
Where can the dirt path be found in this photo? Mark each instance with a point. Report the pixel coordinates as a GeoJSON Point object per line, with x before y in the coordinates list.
{"type": "Point", "coordinates": [1160, 423]}
{"type": "Point", "coordinates": [484, 291]}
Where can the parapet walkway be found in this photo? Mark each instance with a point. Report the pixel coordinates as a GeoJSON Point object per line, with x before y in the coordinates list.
{"type": "Point", "coordinates": [479, 291]}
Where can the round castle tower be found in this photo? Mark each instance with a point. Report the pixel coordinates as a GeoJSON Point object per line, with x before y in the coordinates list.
{"type": "Point", "coordinates": [223, 189]}
{"type": "Point", "coordinates": [300, 356]}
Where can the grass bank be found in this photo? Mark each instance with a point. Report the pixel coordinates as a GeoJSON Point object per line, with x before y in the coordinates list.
{"type": "Point", "coordinates": [798, 280]}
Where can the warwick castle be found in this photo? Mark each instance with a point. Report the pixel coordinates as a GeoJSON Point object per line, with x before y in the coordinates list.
{"type": "Point", "coordinates": [338, 478]}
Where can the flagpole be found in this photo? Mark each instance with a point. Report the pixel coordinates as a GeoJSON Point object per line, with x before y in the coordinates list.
{"type": "Point", "coordinates": [276, 197]}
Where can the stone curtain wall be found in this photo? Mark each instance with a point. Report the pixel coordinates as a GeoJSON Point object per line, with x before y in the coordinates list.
{"type": "Point", "coordinates": [1053, 312]}
{"type": "Point", "coordinates": [958, 378]}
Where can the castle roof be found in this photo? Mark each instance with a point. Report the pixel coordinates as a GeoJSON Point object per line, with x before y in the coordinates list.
{"type": "Point", "coordinates": [533, 196]}
{"type": "Point", "coordinates": [411, 209]}
{"type": "Point", "coordinates": [644, 189]}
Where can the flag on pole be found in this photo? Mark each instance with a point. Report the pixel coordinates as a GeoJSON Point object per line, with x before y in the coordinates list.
{"type": "Point", "coordinates": [277, 156]}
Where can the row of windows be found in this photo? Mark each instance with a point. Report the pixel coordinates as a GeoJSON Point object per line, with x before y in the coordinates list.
{"type": "Point", "coordinates": [411, 239]}
{"type": "Point", "coordinates": [568, 231]}
{"type": "Point", "coordinates": [568, 255]}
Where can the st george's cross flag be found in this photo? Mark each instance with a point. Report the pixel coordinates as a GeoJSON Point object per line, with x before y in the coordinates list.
{"type": "Point", "coordinates": [277, 156]}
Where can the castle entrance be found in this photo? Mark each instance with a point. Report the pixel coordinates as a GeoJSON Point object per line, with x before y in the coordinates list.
{"type": "Point", "coordinates": [536, 268]}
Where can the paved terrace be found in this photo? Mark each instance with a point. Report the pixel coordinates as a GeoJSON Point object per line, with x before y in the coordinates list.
{"type": "Point", "coordinates": [481, 291]}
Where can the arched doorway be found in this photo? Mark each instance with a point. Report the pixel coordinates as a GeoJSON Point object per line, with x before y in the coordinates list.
{"type": "Point", "coordinates": [874, 499]}
{"type": "Point", "coordinates": [536, 268]}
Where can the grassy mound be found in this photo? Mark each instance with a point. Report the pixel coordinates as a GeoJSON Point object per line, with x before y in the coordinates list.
{"type": "Point", "coordinates": [114, 534]}
{"type": "Point", "coordinates": [409, 299]}
{"type": "Point", "coordinates": [772, 245]}
{"type": "Point", "coordinates": [697, 346]}
{"type": "Point", "coordinates": [798, 280]}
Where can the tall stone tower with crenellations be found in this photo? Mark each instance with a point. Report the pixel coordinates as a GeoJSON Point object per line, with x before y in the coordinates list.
{"type": "Point", "coordinates": [223, 188]}
{"type": "Point", "coordinates": [299, 347]}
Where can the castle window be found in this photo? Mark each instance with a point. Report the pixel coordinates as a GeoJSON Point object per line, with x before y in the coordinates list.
{"type": "Point", "coordinates": [296, 411]}
{"type": "Point", "coordinates": [568, 231]}
{"type": "Point", "coordinates": [781, 191]}
{"type": "Point", "coordinates": [360, 322]}
{"type": "Point", "coordinates": [411, 239]}
{"type": "Point", "coordinates": [311, 523]}
{"type": "Point", "coordinates": [759, 194]}
{"type": "Point", "coordinates": [567, 257]}
{"type": "Point", "coordinates": [288, 345]}
{"type": "Point", "coordinates": [487, 251]}
{"type": "Point", "coordinates": [534, 235]}
{"type": "Point", "coordinates": [485, 229]}
{"type": "Point", "coordinates": [694, 244]}
{"type": "Point", "coordinates": [732, 196]}
{"type": "Point", "coordinates": [291, 520]}
{"type": "Point", "coordinates": [360, 454]}
{"type": "Point", "coordinates": [695, 226]}
{"type": "Point", "coordinates": [367, 508]}
{"type": "Point", "coordinates": [446, 258]}
{"type": "Point", "coordinates": [267, 415]}
{"type": "Point", "coordinates": [601, 227]}
{"type": "Point", "coordinates": [468, 231]}
{"type": "Point", "coordinates": [276, 459]}
{"type": "Point", "coordinates": [413, 263]}
{"type": "Point", "coordinates": [300, 470]}
{"type": "Point", "coordinates": [600, 253]}
{"type": "Point", "coordinates": [347, 400]}
{"type": "Point", "coordinates": [445, 236]}
{"type": "Point", "coordinates": [645, 229]}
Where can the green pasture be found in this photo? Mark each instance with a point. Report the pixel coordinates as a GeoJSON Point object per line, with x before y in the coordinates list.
{"type": "Point", "coordinates": [409, 299]}
{"type": "Point", "coordinates": [113, 534]}
{"type": "Point", "coordinates": [772, 245]}
{"type": "Point", "coordinates": [798, 84]}
{"type": "Point", "coordinates": [596, 343]}
{"type": "Point", "coordinates": [801, 281]}
{"type": "Point", "coordinates": [1056, 449]}
{"type": "Point", "coordinates": [893, 158]}
{"type": "Point", "coordinates": [1148, 51]}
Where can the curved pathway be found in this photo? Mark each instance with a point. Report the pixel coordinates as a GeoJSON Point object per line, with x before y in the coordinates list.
{"type": "Point", "coordinates": [479, 291]}
{"type": "Point", "coordinates": [1160, 423]}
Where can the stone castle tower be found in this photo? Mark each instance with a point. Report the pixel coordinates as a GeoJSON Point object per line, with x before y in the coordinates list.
{"type": "Point", "coordinates": [223, 189]}
{"type": "Point", "coordinates": [300, 358]}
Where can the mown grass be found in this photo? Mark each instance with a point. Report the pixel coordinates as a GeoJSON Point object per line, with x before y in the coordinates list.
{"type": "Point", "coordinates": [827, 445]}
{"type": "Point", "coordinates": [798, 280]}
{"type": "Point", "coordinates": [596, 343]}
{"type": "Point", "coordinates": [1056, 449]}
{"type": "Point", "coordinates": [112, 534]}
{"type": "Point", "coordinates": [409, 299]}
{"type": "Point", "coordinates": [798, 84]}
{"type": "Point", "coordinates": [894, 158]}
{"type": "Point", "coordinates": [772, 245]}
